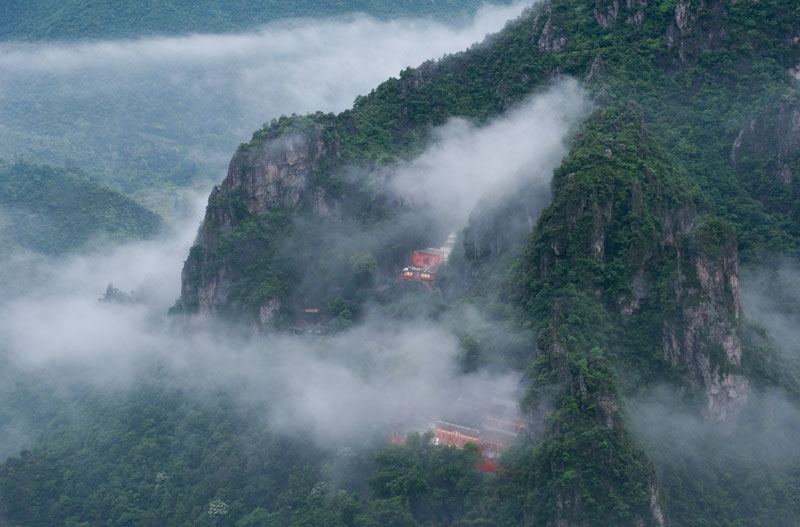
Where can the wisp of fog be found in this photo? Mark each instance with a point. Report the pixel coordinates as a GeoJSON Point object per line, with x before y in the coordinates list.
{"type": "Point", "coordinates": [466, 164]}
{"type": "Point", "coordinates": [100, 105]}
{"type": "Point", "coordinates": [763, 439]}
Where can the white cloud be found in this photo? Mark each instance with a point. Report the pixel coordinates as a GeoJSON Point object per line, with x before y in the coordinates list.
{"type": "Point", "coordinates": [207, 92]}
{"type": "Point", "coordinates": [466, 164]}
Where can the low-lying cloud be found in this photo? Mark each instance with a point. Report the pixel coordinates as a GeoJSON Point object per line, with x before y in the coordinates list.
{"type": "Point", "coordinates": [380, 373]}
{"type": "Point", "coordinates": [194, 98]}
{"type": "Point", "coordinates": [467, 164]}
{"type": "Point", "coordinates": [55, 333]}
{"type": "Point", "coordinates": [733, 469]}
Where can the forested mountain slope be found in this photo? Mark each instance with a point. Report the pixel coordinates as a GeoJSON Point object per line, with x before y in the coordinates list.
{"type": "Point", "coordinates": [51, 210]}
{"type": "Point", "coordinates": [696, 93]}
{"type": "Point", "coordinates": [630, 277]}
{"type": "Point", "coordinates": [94, 19]}
{"type": "Point", "coordinates": [653, 399]}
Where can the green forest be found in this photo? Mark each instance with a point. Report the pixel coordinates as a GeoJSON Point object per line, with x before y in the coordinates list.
{"type": "Point", "coordinates": [651, 396]}
{"type": "Point", "coordinates": [51, 210]}
{"type": "Point", "coordinates": [161, 93]}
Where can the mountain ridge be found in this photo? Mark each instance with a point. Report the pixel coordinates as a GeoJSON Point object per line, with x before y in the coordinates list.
{"type": "Point", "coordinates": [657, 244]}
{"type": "Point", "coordinates": [54, 211]}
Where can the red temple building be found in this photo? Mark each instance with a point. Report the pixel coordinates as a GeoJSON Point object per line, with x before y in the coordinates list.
{"type": "Point", "coordinates": [425, 262]}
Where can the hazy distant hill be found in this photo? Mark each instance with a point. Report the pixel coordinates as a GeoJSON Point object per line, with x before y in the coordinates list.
{"type": "Point", "coordinates": [81, 19]}
{"type": "Point", "coordinates": [143, 113]}
{"type": "Point", "coordinates": [52, 210]}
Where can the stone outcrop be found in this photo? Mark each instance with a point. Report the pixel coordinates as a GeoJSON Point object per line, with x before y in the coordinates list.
{"type": "Point", "coordinates": [274, 173]}
{"type": "Point", "coordinates": [688, 37]}
{"type": "Point", "coordinates": [597, 201]}
{"type": "Point", "coordinates": [597, 73]}
{"type": "Point", "coordinates": [699, 260]}
{"type": "Point", "coordinates": [704, 336]}
{"type": "Point", "coordinates": [776, 132]}
{"type": "Point", "coordinates": [608, 12]}
{"type": "Point", "coordinates": [547, 35]}
{"type": "Point", "coordinates": [495, 226]}
{"type": "Point", "coordinates": [635, 11]}
{"type": "Point", "coordinates": [769, 144]}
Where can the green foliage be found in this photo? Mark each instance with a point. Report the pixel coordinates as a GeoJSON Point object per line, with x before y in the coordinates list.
{"type": "Point", "coordinates": [164, 456]}
{"type": "Point", "coordinates": [363, 263]}
{"type": "Point", "coordinates": [52, 210]}
{"type": "Point", "coordinates": [647, 167]}
{"type": "Point", "coordinates": [260, 272]}
{"type": "Point", "coordinates": [152, 457]}
{"type": "Point", "coordinates": [423, 483]}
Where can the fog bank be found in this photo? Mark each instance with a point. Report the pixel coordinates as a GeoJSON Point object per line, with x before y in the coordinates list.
{"type": "Point", "coordinates": [178, 106]}
{"type": "Point", "coordinates": [466, 164]}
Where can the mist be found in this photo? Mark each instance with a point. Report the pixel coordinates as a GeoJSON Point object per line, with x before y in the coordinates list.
{"type": "Point", "coordinates": [178, 106]}
{"type": "Point", "coordinates": [758, 452]}
{"type": "Point", "coordinates": [337, 389]}
{"type": "Point", "coordinates": [381, 373]}
{"type": "Point", "coordinates": [56, 337]}
{"type": "Point", "coordinates": [466, 165]}
{"type": "Point", "coordinates": [744, 472]}
{"type": "Point", "coordinates": [771, 299]}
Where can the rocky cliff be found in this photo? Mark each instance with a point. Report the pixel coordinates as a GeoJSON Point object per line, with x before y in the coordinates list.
{"type": "Point", "coordinates": [766, 156]}
{"type": "Point", "coordinates": [658, 292]}
{"type": "Point", "coordinates": [272, 176]}
{"type": "Point", "coordinates": [281, 231]}
{"type": "Point", "coordinates": [705, 334]}
{"type": "Point", "coordinates": [617, 209]}
{"type": "Point", "coordinates": [697, 26]}
{"type": "Point", "coordinates": [607, 12]}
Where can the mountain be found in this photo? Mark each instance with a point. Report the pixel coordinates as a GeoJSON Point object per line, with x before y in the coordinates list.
{"type": "Point", "coordinates": [631, 275]}
{"type": "Point", "coordinates": [101, 19]}
{"type": "Point", "coordinates": [653, 397]}
{"type": "Point", "coordinates": [51, 210]}
{"type": "Point", "coordinates": [701, 128]}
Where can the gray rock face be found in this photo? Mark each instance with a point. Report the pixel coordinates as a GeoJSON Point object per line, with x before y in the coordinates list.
{"type": "Point", "coordinates": [687, 37]}
{"type": "Point", "coordinates": [607, 12]}
{"type": "Point", "coordinates": [273, 174]}
{"type": "Point", "coordinates": [773, 139]}
{"type": "Point", "coordinates": [267, 312]}
{"type": "Point", "coordinates": [635, 11]}
{"type": "Point", "coordinates": [597, 73]}
{"type": "Point", "coordinates": [550, 37]}
{"type": "Point", "coordinates": [705, 336]}
{"type": "Point", "coordinates": [777, 126]}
